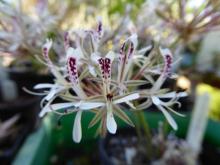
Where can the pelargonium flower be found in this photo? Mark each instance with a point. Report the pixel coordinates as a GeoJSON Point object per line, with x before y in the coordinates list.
{"type": "Point", "coordinates": [155, 94]}
{"type": "Point", "coordinates": [106, 85]}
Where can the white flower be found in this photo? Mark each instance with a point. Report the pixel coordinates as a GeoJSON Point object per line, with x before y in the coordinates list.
{"type": "Point", "coordinates": [165, 106]}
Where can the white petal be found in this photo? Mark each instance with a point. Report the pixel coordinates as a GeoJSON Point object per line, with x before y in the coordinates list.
{"type": "Point", "coordinates": [155, 100]}
{"type": "Point", "coordinates": [169, 118]}
{"type": "Point", "coordinates": [51, 94]}
{"type": "Point", "coordinates": [45, 109]}
{"type": "Point", "coordinates": [172, 95]}
{"type": "Point", "coordinates": [41, 86]}
{"type": "Point", "coordinates": [63, 105]}
{"type": "Point", "coordinates": [127, 98]}
{"type": "Point", "coordinates": [111, 55]}
{"type": "Point", "coordinates": [182, 94]}
{"type": "Point", "coordinates": [110, 123]}
{"type": "Point", "coordinates": [77, 130]}
{"type": "Point", "coordinates": [90, 105]}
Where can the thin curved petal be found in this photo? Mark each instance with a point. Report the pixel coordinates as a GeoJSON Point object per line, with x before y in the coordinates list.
{"type": "Point", "coordinates": [169, 118]}
{"type": "Point", "coordinates": [43, 85]}
{"type": "Point", "coordinates": [172, 94]}
{"type": "Point", "coordinates": [77, 130]}
{"type": "Point", "coordinates": [63, 105]}
{"type": "Point", "coordinates": [44, 111]}
{"type": "Point", "coordinates": [155, 100]}
{"type": "Point", "coordinates": [53, 92]}
{"type": "Point", "coordinates": [127, 98]}
{"type": "Point", "coordinates": [90, 105]}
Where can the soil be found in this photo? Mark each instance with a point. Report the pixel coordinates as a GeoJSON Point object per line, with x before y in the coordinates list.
{"type": "Point", "coordinates": [116, 147]}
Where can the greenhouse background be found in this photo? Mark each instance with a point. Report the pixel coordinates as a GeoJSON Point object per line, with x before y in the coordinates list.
{"type": "Point", "coordinates": [88, 82]}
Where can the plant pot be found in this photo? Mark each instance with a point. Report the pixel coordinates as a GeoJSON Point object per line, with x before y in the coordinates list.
{"type": "Point", "coordinates": [27, 108]}
{"type": "Point", "coordinates": [26, 78]}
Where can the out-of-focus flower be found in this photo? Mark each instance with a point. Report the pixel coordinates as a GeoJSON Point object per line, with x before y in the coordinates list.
{"type": "Point", "coordinates": [22, 33]}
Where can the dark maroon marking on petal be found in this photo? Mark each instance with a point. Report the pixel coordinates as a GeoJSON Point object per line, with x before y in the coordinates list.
{"type": "Point", "coordinates": [168, 63]}
{"type": "Point", "coordinates": [45, 54]}
{"type": "Point", "coordinates": [72, 69]}
{"type": "Point", "coordinates": [122, 53]}
{"type": "Point", "coordinates": [131, 50]}
{"type": "Point", "coordinates": [99, 30]}
{"type": "Point", "coordinates": [105, 65]}
{"type": "Point", "coordinates": [45, 51]}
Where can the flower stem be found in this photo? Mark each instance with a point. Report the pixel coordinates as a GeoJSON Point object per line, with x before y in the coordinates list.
{"type": "Point", "coordinates": [147, 133]}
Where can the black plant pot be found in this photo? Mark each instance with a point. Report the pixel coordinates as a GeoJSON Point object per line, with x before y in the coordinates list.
{"type": "Point", "coordinates": [28, 78]}
{"type": "Point", "coordinates": [26, 106]}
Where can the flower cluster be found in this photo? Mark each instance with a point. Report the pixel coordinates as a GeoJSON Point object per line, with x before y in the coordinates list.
{"type": "Point", "coordinates": [22, 32]}
{"type": "Point", "coordinates": [107, 83]}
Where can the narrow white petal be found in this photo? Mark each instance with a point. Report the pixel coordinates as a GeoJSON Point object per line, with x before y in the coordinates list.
{"type": "Point", "coordinates": [127, 98]}
{"type": "Point", "coordinates": [62, 105]}
{"type": "Point", "coordinates": [45, 109]}
{"type": "Point", "coordinates": [182, 94]}
{"type": "Point", "coordinates": [77, 130]}
{"type": "Point", "coordinates": [51, 94]}
{"type": "Point", "coordinates": [110, 123]}
{"type": "Point", "coordinates": [172, 95]}
{"type": "Point", "coordinates": [90, 105]}
{"type": "Point", "coordinates": [41, 86]}
{"type": "Point", "coordinates": [167, 95]}
{"type": "Point", "coordinates": [177, 113]}
{"type": "Point", "coordinates": [169, 118]}
{"type": "Point", "coordinates": [155, 100]}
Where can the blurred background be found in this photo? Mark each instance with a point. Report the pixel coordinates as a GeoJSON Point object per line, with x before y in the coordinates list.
{"type": "Point", "coordinates": [189, 28]}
